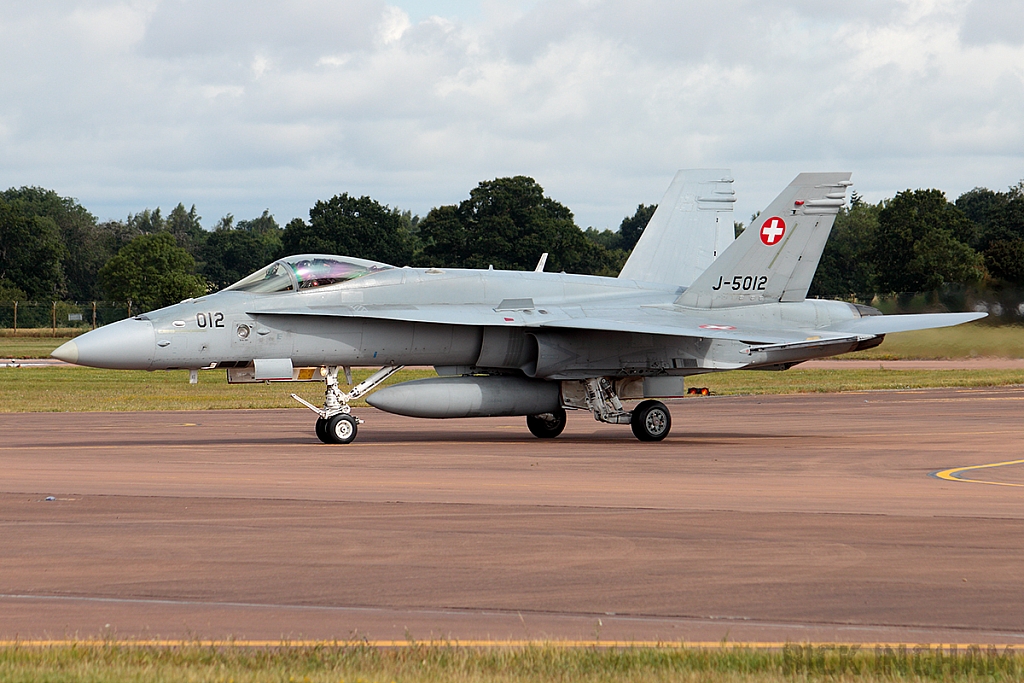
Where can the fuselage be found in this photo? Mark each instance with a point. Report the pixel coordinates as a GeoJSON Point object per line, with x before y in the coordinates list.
{"type": "Point", "coordinates": [490, 321]}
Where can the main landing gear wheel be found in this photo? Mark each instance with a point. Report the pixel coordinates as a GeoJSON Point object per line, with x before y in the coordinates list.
{"type": "Point", "coordinates": [321, 430]}
{"type": "Point", "coordinates": [651, 421]}
{"type": "Point", "coordinates": [547, 425]}
{"type": "Point", "coordinates": [340, 428]}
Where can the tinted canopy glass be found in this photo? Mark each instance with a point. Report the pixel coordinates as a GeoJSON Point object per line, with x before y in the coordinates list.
{"type": "Point", "coordinates": [276, 277]}
{"type": "Point", "coordinates": [306, 271]}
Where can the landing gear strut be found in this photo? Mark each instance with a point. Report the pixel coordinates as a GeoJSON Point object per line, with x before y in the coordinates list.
{"type": "Point", "coordinates": [335, 423]}
{"type": "Point", "coordinates": [650, 420]}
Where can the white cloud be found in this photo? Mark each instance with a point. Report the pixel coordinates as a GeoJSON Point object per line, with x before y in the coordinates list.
{"type": "Point", "coordinates": [393, 24]}
{"type": "Point", "coordinates": [241, 105]}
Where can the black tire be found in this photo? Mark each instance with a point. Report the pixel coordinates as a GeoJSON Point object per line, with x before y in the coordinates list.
{"type": "Point", "coordinates": [321, 430]}
{"type": "Point", "coordinates": [340, 428]}
{"type": "Point", "coordinates": [651, 421]}
{"type": "Point", "coordinates": [547, 425]}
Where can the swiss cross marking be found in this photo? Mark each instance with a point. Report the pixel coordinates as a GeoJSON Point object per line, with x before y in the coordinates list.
{"type": "Point", "coordinates": [772, 230]}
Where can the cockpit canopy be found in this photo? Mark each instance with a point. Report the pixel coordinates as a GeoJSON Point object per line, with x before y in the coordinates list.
{"type": "Point", "coordinates": [306, 271]}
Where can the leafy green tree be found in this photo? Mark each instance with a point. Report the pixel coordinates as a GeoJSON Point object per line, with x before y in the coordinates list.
{"type": "Point", "coordinates": [115, 235]}
{"type": "Point", "coordinates": [9, 292]}
{"type": "Point", "coordinates": [31, 252]}
{"type": "Point", "coordinates": [632, 227]}
{"type": "Point", "coordinates": [151, 271]}
{"type": "Point", "coordinates": [606, 238]}
{"type": "Point", "coordinates": [348, 226]}
{"type": "Point", "coordinates": [916, 244]}
{"type": "Point", "coordinates": [146, 221]}
{"type": "Point", "coordinates": [999, 217]}
{"type": "Point", "coordinates": [1004, 259]}
{"type": "Point", "coordinates": [508, 223]}
{"type": "Point", "coordinates": [186, 227]}
{"type": "Point", "coordinates": [264, 224]}
{"type": "Point", "coordinates": [85, 249]}
{"type": "Point", "coordinates": [847, 269]}
{"type": "Point", "coordinates": [986, 209]}
{"type": "Point", "coordinates": [230, 253]}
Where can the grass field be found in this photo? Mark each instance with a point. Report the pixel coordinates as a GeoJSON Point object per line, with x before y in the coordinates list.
{"type": "Point", "coordinates": [98, 663]}
{"type": "Point", "coordinates": [797, 381]}
{"type": "Point", "coordinates": [963, 341]}
{"type": "Point", "coordinates": [29, 347]}
{"type": "Point", "coordinates": [72, 389]}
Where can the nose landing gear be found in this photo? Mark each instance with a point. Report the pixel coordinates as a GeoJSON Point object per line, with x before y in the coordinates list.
{"type": "Point", "coordinates": [335, 422]}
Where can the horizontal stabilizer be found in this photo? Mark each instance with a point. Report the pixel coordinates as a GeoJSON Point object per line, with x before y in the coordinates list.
{"type": "Point", "coordinates": [887, 324]}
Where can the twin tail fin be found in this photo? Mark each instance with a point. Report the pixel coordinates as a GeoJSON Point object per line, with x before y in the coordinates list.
{"type": "Point", "coordinates": [774, 259]}
{"type": "Point", "coordinates": [691, 227]}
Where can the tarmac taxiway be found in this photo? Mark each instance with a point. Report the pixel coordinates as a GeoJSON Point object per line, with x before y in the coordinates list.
{"type": "Point", "coordinates": [780, 518]}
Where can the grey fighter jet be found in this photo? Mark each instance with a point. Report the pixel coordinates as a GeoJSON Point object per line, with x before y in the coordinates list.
{"type": "Point", "coordinates": [688, 301]}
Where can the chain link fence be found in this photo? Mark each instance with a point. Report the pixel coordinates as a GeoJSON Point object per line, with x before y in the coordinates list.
{"type": "Point", "coordinates": [61, 315]}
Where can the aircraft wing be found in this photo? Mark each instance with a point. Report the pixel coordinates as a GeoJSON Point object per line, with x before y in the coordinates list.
{"type": "Point", "coordinates": [641, 320]}
{"type": "Point", "coordinates": [661, 321]}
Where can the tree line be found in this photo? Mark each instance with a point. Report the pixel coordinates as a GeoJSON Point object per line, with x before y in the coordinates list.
{"type": "Point", "coordinates": [918, 241]}
{"type": "Point", "coordinates": [53, 248]}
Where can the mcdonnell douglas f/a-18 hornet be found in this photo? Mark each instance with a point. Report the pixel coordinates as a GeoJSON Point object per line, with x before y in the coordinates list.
{"type": "Point", "coordinates": [689, 300]}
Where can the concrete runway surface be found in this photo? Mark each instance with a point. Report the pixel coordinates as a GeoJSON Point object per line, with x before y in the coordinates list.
{"type": "Point", "coordinates": [771, 518]}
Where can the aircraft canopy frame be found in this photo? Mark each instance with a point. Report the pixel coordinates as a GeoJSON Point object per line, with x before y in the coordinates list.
{"type": "Point", "coordinates": [306, 271]}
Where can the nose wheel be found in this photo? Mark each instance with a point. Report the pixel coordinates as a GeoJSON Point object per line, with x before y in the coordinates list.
{"type": "Point", "coordinates": [340, 428]}
{"type": "Point", "coordinates": [335, 423]}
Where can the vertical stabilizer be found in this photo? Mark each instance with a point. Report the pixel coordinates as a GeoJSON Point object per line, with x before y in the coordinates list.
{"type": "Point", "coordinates": [776, 256]}
{"type": "Point", "coordinates": [690, 229]}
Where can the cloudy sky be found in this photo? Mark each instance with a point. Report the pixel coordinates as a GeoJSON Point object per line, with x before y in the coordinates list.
{"type": "Point", "coordinates": [241, 105]}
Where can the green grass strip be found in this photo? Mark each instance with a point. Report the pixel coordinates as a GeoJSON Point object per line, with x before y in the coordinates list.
{"type": "Point", "coordinates": [75, 389]}
{"type": "Point", "coordinates": [972, 340]}
{"type": "Point", "coordinates": [436, 663]}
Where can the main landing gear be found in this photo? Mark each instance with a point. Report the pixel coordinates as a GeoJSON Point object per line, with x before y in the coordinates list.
{"type": "Point", "coordinates": [547, 425]}
{"type": "Point", "coordinates": [335, 422]}
{"type": "Point", "coordinates": [650, 420]}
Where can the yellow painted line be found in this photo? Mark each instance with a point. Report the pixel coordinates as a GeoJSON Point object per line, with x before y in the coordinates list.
{"type": "Point", "coordinates": [703, 645]}
{"type": "Point", "coordinates": [953, 474]}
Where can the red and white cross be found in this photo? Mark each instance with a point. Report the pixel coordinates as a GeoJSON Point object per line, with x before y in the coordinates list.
{"type": "Point", "coordinates": [772, 230]}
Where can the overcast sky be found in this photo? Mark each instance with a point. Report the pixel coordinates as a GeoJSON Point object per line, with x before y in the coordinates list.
{"type": "Point", "coordinates": [241, 105]}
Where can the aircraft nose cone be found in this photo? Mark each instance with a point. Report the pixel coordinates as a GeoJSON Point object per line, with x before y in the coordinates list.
{"type": "Point", "coordinates": [67, 352]}
{"type": "Point", "coordinates": [124, 345]}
